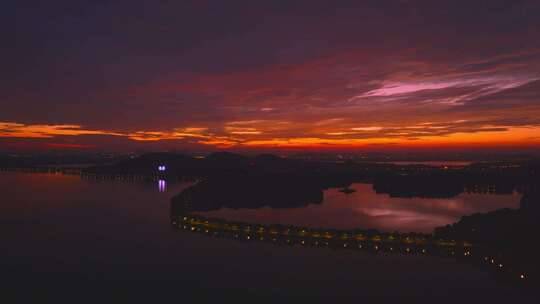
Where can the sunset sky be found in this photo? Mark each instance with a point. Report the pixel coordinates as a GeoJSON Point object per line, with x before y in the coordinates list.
{"type": "Point", "coordinates": [313, 75]}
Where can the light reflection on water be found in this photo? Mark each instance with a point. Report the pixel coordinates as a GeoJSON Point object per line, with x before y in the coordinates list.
{"type": "Point", "coordinates": [28, 195]}
{"type": "Point", "coordinates": [122, 229]}
{"type": "Point", "coordinates": [366, 209]}
{"type": "Point", "coordinates": [162, 185]}
{"type": "Point", "coordinates": [362, 209]}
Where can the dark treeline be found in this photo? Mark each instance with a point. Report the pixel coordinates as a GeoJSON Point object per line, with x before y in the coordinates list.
{"type": "Point", "coordinates": [275, 191]}
{"type": "Point", "coordinates": [235, 170]}
{"type": "Point", "coordinates": [503, 227]}
{"type": "Point", "coordinates": [512, 233]}
{"type": "Point", "coordinates": [395, 180]}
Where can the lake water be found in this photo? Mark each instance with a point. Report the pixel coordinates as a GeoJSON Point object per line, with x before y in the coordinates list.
{"type": "Point", "coordinates": [72, 239]}
{"type": "Point", "coordinates": [368, 210]}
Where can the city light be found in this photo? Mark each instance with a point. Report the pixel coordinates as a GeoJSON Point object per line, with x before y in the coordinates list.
{"type": "Point", "coordinates": [162, 185]}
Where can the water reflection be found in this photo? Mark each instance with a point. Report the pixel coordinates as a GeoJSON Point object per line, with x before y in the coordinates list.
{"type": "Point", "coordinates": [162, 185]}
{"type": "Point", "coordinates": [367, 209]}
{"type": "Point", "coordinates": [121, 229]}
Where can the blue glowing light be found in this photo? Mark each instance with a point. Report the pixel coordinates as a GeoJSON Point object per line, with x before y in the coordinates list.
{"type": "Point", "coordinates": [161, 168]}
{"type": "Point", "coordinates": [162, 185]}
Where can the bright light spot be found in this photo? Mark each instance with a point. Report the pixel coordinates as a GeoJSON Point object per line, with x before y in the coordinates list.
{"type": "Point", "coordinates": [162, 185]}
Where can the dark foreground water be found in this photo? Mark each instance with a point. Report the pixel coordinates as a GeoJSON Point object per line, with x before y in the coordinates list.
{"type": "Point", "coordinates": [63, 238]}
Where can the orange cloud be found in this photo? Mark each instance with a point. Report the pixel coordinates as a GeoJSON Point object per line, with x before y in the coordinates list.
{"type": "Point", "coordinates": [273, 134]}
{"type": "Point", "coordinates": [176, 134]}
{"type": "Point", "coordinates": [17, 130]}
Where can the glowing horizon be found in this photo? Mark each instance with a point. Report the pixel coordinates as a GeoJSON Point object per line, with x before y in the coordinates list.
{"type": "Point", "coordinates": [470, 80]}
{"type": "Point", "coordinates": [420, 135]}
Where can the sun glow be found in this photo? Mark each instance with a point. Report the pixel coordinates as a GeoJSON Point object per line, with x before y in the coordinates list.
{"type": "Point", "coordinates": [267, 134]}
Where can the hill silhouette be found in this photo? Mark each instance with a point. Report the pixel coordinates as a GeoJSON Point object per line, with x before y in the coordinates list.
{"type": "Point", "coordinates": [395, 180]}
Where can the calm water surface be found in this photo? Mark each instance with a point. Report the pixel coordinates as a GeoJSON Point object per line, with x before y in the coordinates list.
{"type": "Point", "coordinates": [367, 209]}
{"type": "Point", "coordinates": [67, 238]}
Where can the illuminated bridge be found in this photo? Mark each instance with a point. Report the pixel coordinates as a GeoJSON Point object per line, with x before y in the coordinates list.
{"type": "Point", "coordinates": [366, 240]}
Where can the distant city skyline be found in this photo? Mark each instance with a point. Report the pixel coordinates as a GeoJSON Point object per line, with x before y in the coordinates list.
{"type": "Point", "coordinates": [387, 76]}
